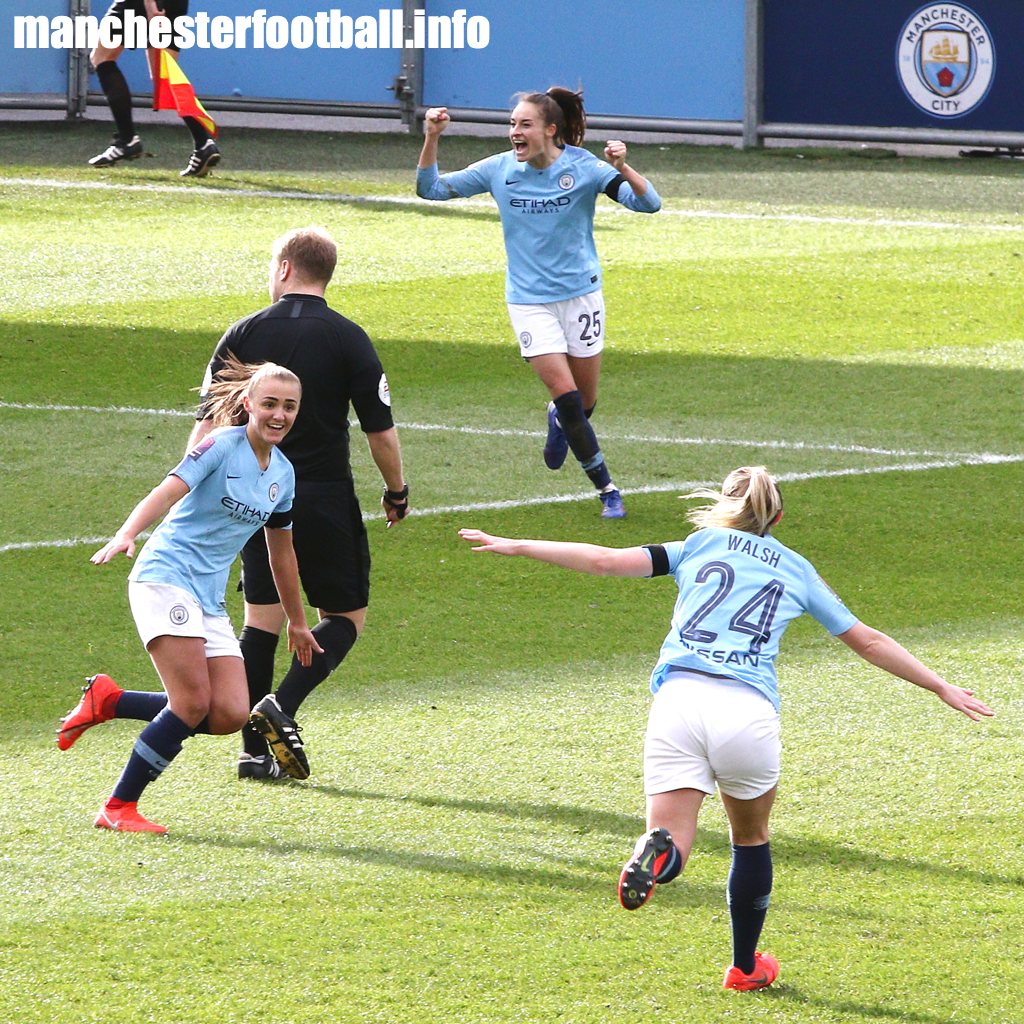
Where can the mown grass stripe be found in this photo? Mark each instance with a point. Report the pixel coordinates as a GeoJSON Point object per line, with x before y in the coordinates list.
{"type": "Point", "coordinates": [411, 200]}
{"type": "Point", "coordinates": [559, 499]}
{"type": "Point", "coordinates": [771, 444]}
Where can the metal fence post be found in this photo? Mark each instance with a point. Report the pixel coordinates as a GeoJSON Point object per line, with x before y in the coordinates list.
{"type": "Point", "coordinates": [753, 73]}
{"type": "Point", "coordinates": [408, 85]}
{"type": "Point", "coordinates": [78, 68]}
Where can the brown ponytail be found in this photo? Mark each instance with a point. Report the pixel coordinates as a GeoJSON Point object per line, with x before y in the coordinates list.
{"type": "Point", "coordinates": [564, 109]}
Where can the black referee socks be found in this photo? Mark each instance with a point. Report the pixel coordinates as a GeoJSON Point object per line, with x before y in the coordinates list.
{"type": "Point", "coordinates": [119, 98]}
{"type": "Point", "coordinates": [336, 634]}
{"type": "Point", "coordinates": [258, 649]}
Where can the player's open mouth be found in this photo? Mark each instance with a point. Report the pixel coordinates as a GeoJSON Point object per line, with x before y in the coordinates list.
{"type": "Point", "coordinates": [519, 145]}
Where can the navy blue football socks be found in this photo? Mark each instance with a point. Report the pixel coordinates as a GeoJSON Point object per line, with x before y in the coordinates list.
{"type": "Point", "coordinates": [157, 746]}
{"type": "Point", "coordinates": [749, 893]}
{"type": "Point", "coordinates": [581, 437]}
{"type": "Point", "coordinates": [144, 705]}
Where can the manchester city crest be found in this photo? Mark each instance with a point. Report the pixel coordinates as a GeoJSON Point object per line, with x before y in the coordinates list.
{"type": "Point", "coordinates": [272, 494]}
{"type": "Point", "coordinates": [945, 60]}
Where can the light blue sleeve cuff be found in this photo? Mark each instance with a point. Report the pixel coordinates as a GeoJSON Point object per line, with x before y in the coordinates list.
{"type": "Point", "coordinates": [428, 183]}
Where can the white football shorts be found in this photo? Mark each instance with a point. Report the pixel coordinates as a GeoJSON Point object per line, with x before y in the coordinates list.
{"type": "Point", "coordinates": [572, 327]}
{"type": "Point", "coordinates": [704, 731]}
{"type": "Point", "coordinates": [161, 609]}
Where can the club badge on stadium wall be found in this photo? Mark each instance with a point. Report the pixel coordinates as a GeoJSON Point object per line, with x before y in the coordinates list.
{"type": "Point", "coordinates": [945, 59]}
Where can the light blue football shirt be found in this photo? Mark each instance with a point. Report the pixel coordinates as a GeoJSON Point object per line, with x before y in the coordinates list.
{"type": "Point", "coordinates": [547, 217]}
{"type": "Point", "coordinates": [229, 499]}
{"type": "Point", "coordinates": [737, 594]}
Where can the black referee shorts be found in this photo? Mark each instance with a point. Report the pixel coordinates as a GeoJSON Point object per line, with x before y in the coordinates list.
{"type": "Point", "coordinates": [331, 547]}
{"type": "Point", "coordinates": [171, 9]}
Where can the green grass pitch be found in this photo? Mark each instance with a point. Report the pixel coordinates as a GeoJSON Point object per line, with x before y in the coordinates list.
{"type": "Point", "coordinates": [853, 323]}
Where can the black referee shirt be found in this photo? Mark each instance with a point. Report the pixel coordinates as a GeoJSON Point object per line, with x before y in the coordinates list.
{"type": "Point", "coordinates": [337, 365]}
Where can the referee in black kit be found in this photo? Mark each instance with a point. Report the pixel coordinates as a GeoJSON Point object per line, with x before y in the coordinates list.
{"type": "Point", "coordinates": [337, 365]}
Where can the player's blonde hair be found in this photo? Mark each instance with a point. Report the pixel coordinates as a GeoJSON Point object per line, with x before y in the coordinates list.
{"type": "Point", "coordinates": [311, 251]}
{"type": "Point", "coordinates": [750, 500]}
{"type": "Point", "coordinates": [235, 380]}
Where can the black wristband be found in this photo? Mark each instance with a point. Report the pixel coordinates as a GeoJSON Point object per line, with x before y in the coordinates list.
{"type": "Point", "coordinates": [394, 497]}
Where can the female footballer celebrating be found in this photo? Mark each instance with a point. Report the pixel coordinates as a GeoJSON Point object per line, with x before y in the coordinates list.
{"type": "Point", "coordinates": [231, 484]}
{"type": "Point", "coordinates": [714, 719]}
{"type": "Point", "coordinates": [546, 188]}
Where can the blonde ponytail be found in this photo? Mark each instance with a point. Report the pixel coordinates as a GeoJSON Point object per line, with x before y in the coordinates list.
{"type": "Point", "coordinates": [749, 500]}
{"type": "Point", "coordinates": [234, 381]}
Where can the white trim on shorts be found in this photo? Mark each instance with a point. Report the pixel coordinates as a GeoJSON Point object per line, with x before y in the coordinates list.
{"type": "Point", "coordinates": [572, 327]}
{"type": "Point", "coordinates": [162, 609]}
{"type": "Point", "coordinates": [704, 731]}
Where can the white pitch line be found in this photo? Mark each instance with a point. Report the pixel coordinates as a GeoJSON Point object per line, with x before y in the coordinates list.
{"type": "Point", "coordinates": [108, 409]}
{"type": "Point", "coordinates": [67, 542]}
{"type": "Point", "coordinates": [448, 428]}
{"type": "Point", "coordinates": [850, 449]}
{"type": "Point", "coordinates": [690, 485]}
{"type": "Point", "coordinates": [560, 499]}
{"type": "Point", "coordinates": [363, 200]}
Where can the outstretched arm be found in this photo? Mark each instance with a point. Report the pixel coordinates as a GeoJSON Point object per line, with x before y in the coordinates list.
{"type": "Point", "coordinates": [153, 506]}
{"type": "Point", "coordinates": [885, 653]}
{"type": "Point", "coordinates": [588, 558]}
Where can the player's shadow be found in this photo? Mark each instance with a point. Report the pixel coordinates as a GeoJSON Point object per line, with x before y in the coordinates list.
{"type": "Point", "coordinates": [589, 878]}
{"type": "Point", "coordinates": [576, 818]}
{"type": "Point", "coordinates": [582, 820]}
{"type": "Point", "coordinates": [817, 852]}
{"type": "Point", "coordinates": [784, 993]}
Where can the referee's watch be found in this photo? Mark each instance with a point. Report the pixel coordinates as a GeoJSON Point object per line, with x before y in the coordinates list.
{"type": "Point", "coordinates": [397, 501]}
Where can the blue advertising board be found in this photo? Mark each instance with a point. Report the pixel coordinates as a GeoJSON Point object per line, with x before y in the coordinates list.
{"type": "Point", "coordinates": [31, 70]}
{"type": "Point", "coordinates": [899, 64]}
{"type": "Point", "coordinates": [346, 73]}
{"type": "Point", "coordinates": [648, 58]}
{"type": "Point", "coordinates": [645, 59]}
{"type": "Point", "coordinates": [292, 66]}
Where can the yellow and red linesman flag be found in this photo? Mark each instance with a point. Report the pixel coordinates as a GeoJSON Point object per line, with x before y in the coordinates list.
{"type": "Point", "coordinates": [173, 91]}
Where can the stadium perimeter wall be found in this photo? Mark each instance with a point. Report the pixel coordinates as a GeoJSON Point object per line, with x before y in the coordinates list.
{"type": "Point", "coordinates": [752, 68]}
